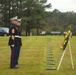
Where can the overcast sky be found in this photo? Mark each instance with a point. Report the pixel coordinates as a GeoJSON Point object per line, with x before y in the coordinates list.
{"type": "Point", "coordinates": [63, 5]}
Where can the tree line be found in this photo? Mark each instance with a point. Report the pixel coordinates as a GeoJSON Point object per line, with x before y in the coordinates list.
{"type": "Point", "coordinates": [34, 16]}
{"type": "Point", "coordinates": [61, 21]}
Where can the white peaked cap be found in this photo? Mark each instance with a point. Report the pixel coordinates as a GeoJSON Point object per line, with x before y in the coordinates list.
{"type": "Point", "coordinates": [14, 18]}
{"type": "Point", "coordinates": [19, 20]}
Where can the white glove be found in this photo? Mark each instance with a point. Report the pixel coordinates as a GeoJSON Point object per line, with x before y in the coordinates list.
{"type": "Point", "coordinates": [12, 45]}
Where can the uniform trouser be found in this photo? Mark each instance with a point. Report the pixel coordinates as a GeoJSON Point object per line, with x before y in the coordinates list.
{"type": "Point", "coordinates": [15, 51]}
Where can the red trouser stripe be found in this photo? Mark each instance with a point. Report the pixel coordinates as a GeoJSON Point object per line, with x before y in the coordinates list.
{"type": "Point", "coordinates": [12, 56]}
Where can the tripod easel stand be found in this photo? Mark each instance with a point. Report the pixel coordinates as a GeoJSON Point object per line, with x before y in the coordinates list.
{"type": "Point", "coordinates": [70, 56]}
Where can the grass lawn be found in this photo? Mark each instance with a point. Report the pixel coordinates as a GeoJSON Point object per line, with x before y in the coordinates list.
{"type": "Point", "coordinates": [32, 58]}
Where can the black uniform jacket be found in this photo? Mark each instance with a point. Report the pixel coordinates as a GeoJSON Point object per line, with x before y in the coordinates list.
{"type": "Point", "coordinates": [17, 34]}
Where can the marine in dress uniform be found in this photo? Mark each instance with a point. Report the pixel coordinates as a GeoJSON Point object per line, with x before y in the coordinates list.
{"type": "Point", "coordinates": [15, 42]}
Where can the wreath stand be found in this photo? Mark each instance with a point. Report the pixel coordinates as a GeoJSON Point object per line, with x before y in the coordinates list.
{"type": "Point", "coordinates": [64, 54]}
